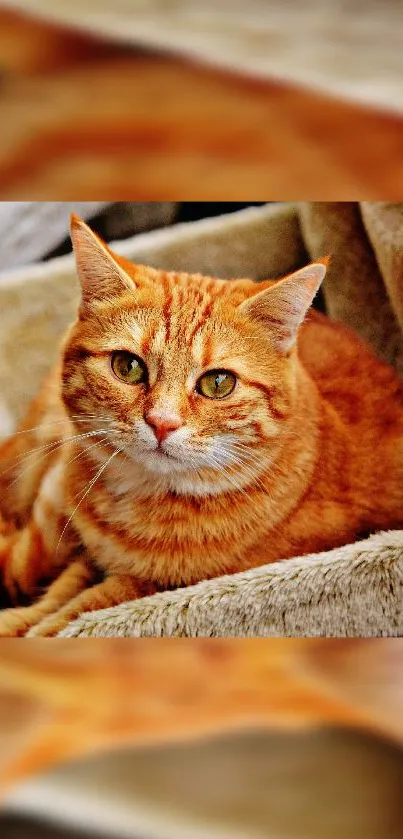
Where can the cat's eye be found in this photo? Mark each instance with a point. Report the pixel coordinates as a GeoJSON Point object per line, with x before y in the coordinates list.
{"type": "Point", "coordinates": [216, 384]}
{"type": "Point", "coordinates": [129, 368]}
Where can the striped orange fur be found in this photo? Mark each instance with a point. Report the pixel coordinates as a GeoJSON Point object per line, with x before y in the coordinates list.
{"type": "Point", "coordinates": [118, 489]}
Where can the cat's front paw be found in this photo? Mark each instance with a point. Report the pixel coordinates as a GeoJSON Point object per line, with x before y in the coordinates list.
{"type": "Point", "coordinates": [48, 627]}
{"type": "Point", "coordinates": [14, 623]}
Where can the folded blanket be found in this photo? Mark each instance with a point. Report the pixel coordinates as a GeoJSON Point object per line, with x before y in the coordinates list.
{"type": "Point", "coordinates": [352, 50]}
{"type": "Point", "coordinates": [350, 591]}
{"type": "Point", "coordinates": [354, 590]}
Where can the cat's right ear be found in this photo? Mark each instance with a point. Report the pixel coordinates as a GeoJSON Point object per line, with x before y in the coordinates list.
{"type": "Point", "coordinates": [100, 274]}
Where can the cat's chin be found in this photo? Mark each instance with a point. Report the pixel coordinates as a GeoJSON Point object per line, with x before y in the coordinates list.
{"type": "Point", "coordinates": [148, 472]}
{"type": "Point", "coordinates": [178, 476]}
{"type": "Point", "coordinates": [161, 463]}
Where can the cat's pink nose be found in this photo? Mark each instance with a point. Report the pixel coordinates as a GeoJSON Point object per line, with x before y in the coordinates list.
{"type": "Point", "coordinates": [163, 424]}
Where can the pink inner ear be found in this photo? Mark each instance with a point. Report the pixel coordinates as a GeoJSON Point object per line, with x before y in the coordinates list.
{"type": "Point", "coordinates": [100, 274]}
{"type": "Point", "coordinates": [282, 306]}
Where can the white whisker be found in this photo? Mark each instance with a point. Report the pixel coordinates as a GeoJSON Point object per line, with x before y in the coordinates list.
{"type": "Point", "coordinates": [48, 449]}
{"type": "Point", "coordinates": [87, 491]}
{"type": "Point", "coordinates": [87, 449]}
{"type": "Point", "coordinates": [78, 418]}
{"type": "Point", "coordinates": [221, 468]}
{"type": "Point", "coordinates": [255, 478]}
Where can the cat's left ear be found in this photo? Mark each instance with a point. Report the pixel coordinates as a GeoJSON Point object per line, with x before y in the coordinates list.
{"type": "Point", "coordinates": [283, 305]}
{"type": "Point", "coordinates": [100, 274]}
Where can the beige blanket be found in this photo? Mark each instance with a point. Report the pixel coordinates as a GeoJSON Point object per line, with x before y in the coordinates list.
{"type": "Point", "coordinates": [355, 590]}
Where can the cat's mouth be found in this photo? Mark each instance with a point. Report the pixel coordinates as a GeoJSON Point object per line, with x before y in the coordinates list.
{"type": "Point", "coordinates": [162, 453]}
{"type": "Point", "coordinates": [159, 458]}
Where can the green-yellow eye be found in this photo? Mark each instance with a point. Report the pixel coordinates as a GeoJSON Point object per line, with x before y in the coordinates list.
{"type": "Point", "coordinates": [216, 384]}
{"type": "Point", "coordinates": [129, 368]}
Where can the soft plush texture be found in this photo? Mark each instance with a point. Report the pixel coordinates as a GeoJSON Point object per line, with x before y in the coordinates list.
{"type": "Point", "coordinates": [352, 50]}
{"type": "Point", "coordinates": [354, 590]}
{"type": "Point", "coordinates": [350, 591]}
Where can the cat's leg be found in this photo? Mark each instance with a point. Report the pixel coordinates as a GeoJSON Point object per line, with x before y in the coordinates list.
{"type": "Point", "coordinates": [76, 577]}
{"type": "Point", "coordinates": [40, 549]}
{"type": "Point", "coordinates": [112, 591]}
{"type": "Point", "coordinates": [23, 558]}
{"type": "Point", "coordinates": [7, 534]}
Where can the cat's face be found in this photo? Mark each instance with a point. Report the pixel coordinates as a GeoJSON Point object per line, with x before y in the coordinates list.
{"type": "Point", "coordinates": [183, 372]}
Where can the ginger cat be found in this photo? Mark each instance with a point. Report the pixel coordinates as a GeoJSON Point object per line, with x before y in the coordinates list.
{"type": "Point", "coordinates": [194, 427]}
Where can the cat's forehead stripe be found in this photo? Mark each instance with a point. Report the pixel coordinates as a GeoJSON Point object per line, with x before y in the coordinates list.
{"type": "Point", "coordinates": [187, 308]}
{"type": "Point", "coordinates": [167, 307]}
{"type": "Point", "coordinates": [201, 317]}
{"type": "Point", "coordinates": [209, 292]}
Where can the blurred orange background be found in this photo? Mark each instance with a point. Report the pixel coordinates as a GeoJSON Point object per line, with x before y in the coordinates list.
{"type": "Point", "coordinates": [83, 120]}
{"type": "Point", "coordinates": [92, 695]}
{"type": "Point", "coordinates": [173, 726]}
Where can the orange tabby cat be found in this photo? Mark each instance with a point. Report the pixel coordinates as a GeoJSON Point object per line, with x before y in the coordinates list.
{"type": "Point", "coordinates": [187, 434]}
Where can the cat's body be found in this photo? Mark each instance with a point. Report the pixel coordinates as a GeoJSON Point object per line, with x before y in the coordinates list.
{"type": "Point", "coordinates": [305, 453]}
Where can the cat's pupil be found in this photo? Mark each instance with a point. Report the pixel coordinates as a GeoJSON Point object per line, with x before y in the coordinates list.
{"type": "Point", "coordinates": [216, 384]}
{"type": "Point", "coordinates": [128, 367]}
